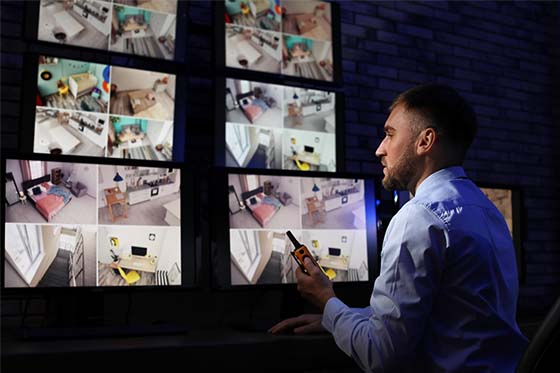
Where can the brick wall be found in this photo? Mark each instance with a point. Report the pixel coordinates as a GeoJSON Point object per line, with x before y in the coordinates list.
{"type": "Point", "coordinates": [503, 57]}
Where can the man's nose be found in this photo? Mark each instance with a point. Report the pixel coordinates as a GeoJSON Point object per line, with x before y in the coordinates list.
{"type": "Point", "coordinates": [380, 152]}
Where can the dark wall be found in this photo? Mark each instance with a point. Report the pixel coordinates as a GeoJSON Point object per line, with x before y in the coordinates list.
{"type": "Point", "coordinates": [503, 57]}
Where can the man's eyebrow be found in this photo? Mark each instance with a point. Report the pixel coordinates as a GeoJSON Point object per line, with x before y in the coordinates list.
{"type": "Point", "coordinates": [388, 128]}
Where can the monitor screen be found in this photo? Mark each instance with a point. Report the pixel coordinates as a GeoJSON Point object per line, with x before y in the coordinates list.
{"type": "Point", "coordinates": [289, 37]}
{"type": "Point", "coordinates": [97, 110]}
{"type": "Point", "coordinates": [91, 225]}
{"type": "Point", "coordinates": [143, 28]}
{"type": "Point", "coordinates": [328, 215]}
{"type": "Point", "coordinates": [140, 251]}
{"type": "Point", "coordinates": [273, 126]}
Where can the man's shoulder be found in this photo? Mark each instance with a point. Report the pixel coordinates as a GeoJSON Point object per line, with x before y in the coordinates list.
{"type": "Point", "coordinates": [417, 211]}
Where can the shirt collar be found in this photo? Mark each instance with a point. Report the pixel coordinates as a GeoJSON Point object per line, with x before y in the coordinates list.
{"type": "Point", "coordinates": [439, 177]}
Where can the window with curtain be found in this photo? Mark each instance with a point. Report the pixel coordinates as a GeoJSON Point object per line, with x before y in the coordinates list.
{"type": "Point", "coordinates": [37, 169]}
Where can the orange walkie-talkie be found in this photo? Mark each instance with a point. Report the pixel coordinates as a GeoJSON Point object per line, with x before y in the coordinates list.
{"type": "Point", "coordinates": [300, 252]}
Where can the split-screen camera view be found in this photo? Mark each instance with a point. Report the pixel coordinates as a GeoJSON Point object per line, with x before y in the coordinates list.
{"type": "Point", "coordinates": [279, 127]}
{"type": "Point", "coordinates": [290, 37]}
{"type": "Point", "coordinates": [325, 214]}
{"type": "Point", "coordinates": [138, 27]}
{"type": "Point", "coordinates": [77, 224]}
{"type": "Point", "coordinates": [97, 110]}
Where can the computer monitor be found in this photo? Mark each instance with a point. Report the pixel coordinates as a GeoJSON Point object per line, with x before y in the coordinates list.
{"type": "Point", "coordinates": [79, 224]}
{"type": "Point", "coordinates": [86, 108]}
{"type": "Point", "coordinates": [152, 29]}
{"type": "Point", "coordinates": [282, 37]}
{"type": "Point", "coordinates": [330, 215]}
{"type": "Point", "coordinates": [140, 251]}
{"type": "Point", "coordinates": [273, 126]}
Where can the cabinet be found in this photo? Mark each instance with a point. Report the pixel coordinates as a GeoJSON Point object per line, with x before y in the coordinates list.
{"type": "Point", "coordinates": [138, 196]}
{"type": "Point", "coordinates": [56, 176]}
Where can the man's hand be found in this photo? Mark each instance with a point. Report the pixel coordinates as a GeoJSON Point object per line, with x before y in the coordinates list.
{"type": "Point", "coordinates": [315, 287]}
{"type": "Point", "coordinates": [303, 324]}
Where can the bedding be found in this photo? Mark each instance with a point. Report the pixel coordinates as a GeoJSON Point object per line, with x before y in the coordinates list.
{"type": "Point", "coordinates": [81, 84]}
{"type": "Point", "coordinates": [252, 110]}
{"type": "Point", "coordinates": [50, 201]}
{"type": "Point", "coordinates": [141, 100]}
{"type": "Point", "coordinates": [264, 208]}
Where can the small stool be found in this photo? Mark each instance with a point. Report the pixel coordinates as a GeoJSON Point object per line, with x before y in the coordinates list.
{"type": "Point", "coordinates": [22, 198]}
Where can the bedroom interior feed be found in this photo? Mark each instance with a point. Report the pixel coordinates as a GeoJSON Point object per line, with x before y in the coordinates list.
{"type": "Point", "coordinates": [272, 126]}
{"type": "Point", "coordinates": [92, 225]}
{"type": "Point", "coordinates": [289, 37]}
{"type": "Point", "coordinates": [98, 110]}
{"type": "Point", "coordinates": [142, 28]}
{"type": "Point", "coordinates": [327, 214]}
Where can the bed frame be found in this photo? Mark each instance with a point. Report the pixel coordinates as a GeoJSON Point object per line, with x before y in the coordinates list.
{"type": "Point", "coordinates": [249, 194]}
{"type": "Point", "coordinates": [31, 183]}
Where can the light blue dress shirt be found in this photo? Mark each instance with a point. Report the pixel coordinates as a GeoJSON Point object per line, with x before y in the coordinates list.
{"type": "Point", "coordinates": [446, 296]}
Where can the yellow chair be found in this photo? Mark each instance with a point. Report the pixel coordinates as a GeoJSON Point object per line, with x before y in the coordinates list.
{"type": "Point", "coordinates": [63, 90]}
{"type": "Point", "coordinates": [302, 165]}
{"type": "Point", "coordinates": [131, 277]}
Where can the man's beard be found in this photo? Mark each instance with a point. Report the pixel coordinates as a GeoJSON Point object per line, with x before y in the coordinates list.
{"type": "Point", "coordinates": [400, 175]}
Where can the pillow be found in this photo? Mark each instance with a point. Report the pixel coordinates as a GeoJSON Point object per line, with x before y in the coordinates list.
{"type": "Point", "coordinates": [46, 185]}
{"type": "Point", "coordinates": [245, 102]}
{"type": "Point", "coordinates": [253, 201]}
{"type": "Point", "coordinates": [37, 191]}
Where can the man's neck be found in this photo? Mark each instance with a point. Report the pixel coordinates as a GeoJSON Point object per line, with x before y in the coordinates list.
{"type": "Point", "coordinates": [429, 167]}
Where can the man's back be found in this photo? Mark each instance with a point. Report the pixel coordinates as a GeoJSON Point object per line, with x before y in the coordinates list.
{"type": "Point", "coordinates": [472, 319]}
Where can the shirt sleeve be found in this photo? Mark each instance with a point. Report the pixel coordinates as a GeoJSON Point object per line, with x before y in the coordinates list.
{"type": "Point", "coordinates": [388, 331]}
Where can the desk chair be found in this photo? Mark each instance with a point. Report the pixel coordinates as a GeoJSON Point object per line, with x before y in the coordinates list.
{"type": "Point", "coordinates": [316, 210]}
{"type": "Point", "coordinates": [131, 277]}
{"type": "Point", "coordinates": [63, 90]}
{"type": "Point", "coordinates": [302, 165]}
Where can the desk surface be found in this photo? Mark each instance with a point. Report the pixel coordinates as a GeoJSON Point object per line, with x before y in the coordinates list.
{"type": "Point", "coordinates": [311, 158]}
{"type": "Point", "coordinates": [335, 262]}
{"type": "Point", "coordinates": [139, 263]}
{"type": "Point", "coordinates": [199, 350]}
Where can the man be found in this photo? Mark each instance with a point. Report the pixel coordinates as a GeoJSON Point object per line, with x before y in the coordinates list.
{"type": "Point", "coordinates": [446, 295]}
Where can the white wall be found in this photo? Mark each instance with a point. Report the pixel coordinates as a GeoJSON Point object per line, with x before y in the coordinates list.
{"type": "Point", "coordinates": [133, 236]}
{"type": "Point", "coordinates": [298, 6]}
{"type": "Point", "coordinates": [289, 185]}
{"type": "Point", "coordinates": [106, 175]}
{"type": "Point", "coordinates": [326, 145]}
{"type": "Point", "coordinates": [160, 23]}
{"type": "Point", "coordinates": [333, 238]}
{"type": "Point", "coordinates": [131, 79]}
{"type": "Point", "coordinates": [12, 165]}
{"type": "Point", "coordinates": [170, 251]}
{"type": "Point", "coordinates": [158, 132]}
{"type": "Point", "coordinates": [171, 81]}
{"type": "Point", "coordinates": [87, 175]}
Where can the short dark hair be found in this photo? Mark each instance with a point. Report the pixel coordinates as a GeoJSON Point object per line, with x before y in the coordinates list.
{"type": "Point", "coordinates": [443, 109]}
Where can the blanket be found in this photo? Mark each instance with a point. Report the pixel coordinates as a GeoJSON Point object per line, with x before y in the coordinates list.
{"type": "Point", "coordinates": [58, 191]}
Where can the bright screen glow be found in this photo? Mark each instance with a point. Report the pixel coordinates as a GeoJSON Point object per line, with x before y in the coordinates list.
{"type": "Point", "coordinates": [279, 127]}
{"type": "Point", "coordinates": [143, 28]}
{"type": "Point", "coordinates": [327, 215]}
{"type": "Point", "coordinates": [77, 224]}
{"type": "Point", "coordinates": [90, 109]}
{"type": "Point", "coordinates": [290, 37]}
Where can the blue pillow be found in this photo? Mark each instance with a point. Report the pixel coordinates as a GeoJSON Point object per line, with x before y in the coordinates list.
{"type": "Point", "coordinates": [36, 191]}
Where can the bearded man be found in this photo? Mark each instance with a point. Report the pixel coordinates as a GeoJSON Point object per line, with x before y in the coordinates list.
{"type": "Point", "coordinates": [446, 296]}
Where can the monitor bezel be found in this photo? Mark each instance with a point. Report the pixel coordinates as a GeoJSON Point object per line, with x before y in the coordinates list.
{"type": "Point", "coordinates": [31, 28]}
{"type": "Point", "coordinates": [29, 91]}
{"type": "Point", "coordinates": [190, 241]}
{"type": "Point", "coordinates": [517, 223]}
{"type": "Point", "coordinates": [220, 51]}
{"type": "Point", "coordinates": [220, 257]}
{"type": "Point", "coordinates": [220, 121]}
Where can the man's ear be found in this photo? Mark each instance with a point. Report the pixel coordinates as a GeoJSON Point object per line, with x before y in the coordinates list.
{"type": "Point", "coordinates": [425, 141]}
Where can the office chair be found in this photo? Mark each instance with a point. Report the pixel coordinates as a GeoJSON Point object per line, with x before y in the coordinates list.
{"type": "Point", "coordinates": [543, 348]}
{"type": "Point", "coordinates": [302, 165]}
{"type": "Point", "coordinates": [131, 277]}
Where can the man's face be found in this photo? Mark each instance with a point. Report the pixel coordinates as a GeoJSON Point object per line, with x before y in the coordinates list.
{"type": "Point", "coordinates": [397, 150]}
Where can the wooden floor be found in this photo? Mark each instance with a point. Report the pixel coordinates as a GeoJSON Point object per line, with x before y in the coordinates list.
{"type": "Point", "coordinates": [143, 213]}
{"type": "Point", "coordinates": [88, 37]}
{"type": "Point", "coordinates": [120, 104]}
{"type": "Point", "coordinates": [107, 277]}
{"type": "Point", "coordinates": [69, 102]}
